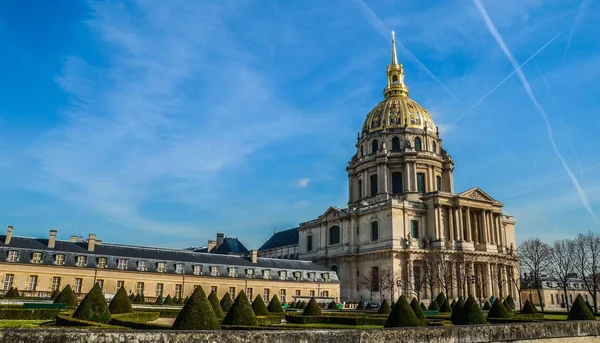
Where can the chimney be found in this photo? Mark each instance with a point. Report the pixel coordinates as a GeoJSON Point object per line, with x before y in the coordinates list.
{"type": "Point", "coordinates": [220, 237]}
{"type": "Point", "coordinates": [73, 238]}
{"type": "Point", "coordinates": [52, 239]}
{"type": "Point", "coordinates": [9, 231]}
{"type": "Point", "coordinates": [91, 242]}
{"type": "Point", "coordinates": [211, 244]}
{"type": "Point", "coordinates": [253, 255]}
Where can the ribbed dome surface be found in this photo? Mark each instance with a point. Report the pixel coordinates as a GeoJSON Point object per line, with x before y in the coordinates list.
{"type": "Point", "coordinates": [397, 112]}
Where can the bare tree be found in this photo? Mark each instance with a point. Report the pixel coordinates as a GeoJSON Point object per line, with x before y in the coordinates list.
{"type": "Point", "coordinates": [498, 269]}
{"type": "Point", "coordinates": [444, 272]}
{"type": "Point", "coordinates": [460, 261]}
{"type": "Point", "coordinates": [562, 264]}
{"type": "Point", "coordinates": [517, 282]}
{"type": "Point", "coordinates": [587, 263]}
{"type": "Point", "coordinates": [372, 282]}
{"type": "Point", "coordinates": [391, 282]}
{"type": "Point", "coordinates": [535, 261]}
{"type": "Point", "coordinates": [430, 272]}
{"type": "Point", "coordinates": [418, 281]}
{"type": "Point", "coordinates": [481, 282]}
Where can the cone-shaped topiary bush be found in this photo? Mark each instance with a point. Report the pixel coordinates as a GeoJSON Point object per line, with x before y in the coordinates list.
{"type": "Point", "coordinates": [12, 293]}
{"type": "Point", "coordinates": [384, 308]}
{"type": "Point", "coordinates": [458, 307]}
{"type": "Point", "coordinates": [93, 307]}
{"type": "Point", "coordinates": [528, 308]}
{"type": "Point", "coordinates": [507, 305]}
{"type": "Point", "coordinates": [332, 305]}
{"type": "Point", "coordinates": [423, 307]}
{"type": "Point", "coordinates": [414, 304]}
{"type": "Point", "coordinates": [433, 306]}
{"type": "Point", "coordinates": [240, 313]}
{"type": "Point", "coordinates": [440, 299]}
{"type": "Point", "coordinates": [445, 308]}
{"type": "Point", "coordinates": [298, 304]}
{"type": "Point", "coordinates": [258, 306]}
{"type": "Point", "coordinates": [275, 305]}
{"type": "Point", "coordinates": [511, 302]}
{"type": "Point", "coordinates": [180, 301]}
{"type": "Point", "coordinates": [292, 304]}
{"type": "Point", "coordinates": [303, 305]}
{"type": "Point", "coordinates": [186, 299]}
{"type": "Point", "coordinates": [402, 315]}
{"type": "Point", "coordinates": [226, 302]}
{"type": "Point", "coordinates": [67, 297]}
{"type": "Point", "coordinates": [470, 313]}
{"type": "Point", "coordinates": [197, 314]}
{"type": "Point", "coordinates": [312, 308]}
{"type": "Point", "coordinates": [498, 311]}
{"type": "Point", "coordinates": [168, 300]}
{"type": "Point", "coordinates": [138, 299]}
{"type": "Point", "coordinates": [453, 303]}
{"type": "Point", "coordinates": [361, 305]}
{"type": "Point", "coordinates": [159, 300]}
{"type": "Point", "coordinates": [132, 297]}
{"type": "Point", "coordinates": [392, 304]}
{"type": "Point", "coordinates": [120, 303]}
{"type": "Point", "coordinates": [55, 293]}
{"type": "Point", "coordinates": [216, 305]}
{"type": "Point", "coordinates": [579, 311]}
{"type": "Point", "coordinates": [487, 306]}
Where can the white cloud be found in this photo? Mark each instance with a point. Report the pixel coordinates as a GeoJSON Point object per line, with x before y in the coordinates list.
{"type": "Point", "coordinates": [303, 183]}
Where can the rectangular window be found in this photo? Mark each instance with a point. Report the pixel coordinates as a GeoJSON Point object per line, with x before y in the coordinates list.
{"type": "Point", "coordinates": [120, 284]}
{"type": "Point", "coordinates": [140, 288]}
{"type": "Point", "coordinates": [397, 183]}
{"type": "Point", "coordinates": [325, 277]}
{"type": "Point", "coordinates": [214, 289]}
{"type": "Point", "coordinates": [13, 256]}
{"type": "Point", "coordinates": [179, 268]}
{"type": "Point", "coordinates": [249, 293]}
{"type": "Point", "coordinates": [36, 257]}
{"type": "Point", "coordinates": [161, 267]}
{"type": "Point", "coordinates": [101, 262]}
{"type": "Point", "coordinates": [312, 293]}
{"type": "Point", "coordinates": [297, 276]}
{"type": "Point", "coordinates": [298, 292]}
{"type": "Point", "coordinates": [81, 260]}
{"type": "Point", "coordinates": [283, 275]}
{"type": "Point", "coordinates": [55, 283]}
{"type": "Point", "coordinates": [309, 243]}
{"type": "Point", "coordinates": [374, 231]}
{"type": "Point", "coordinates": [325, 294]}
{"type": "Point", "coordinates": [100, 283]}
{"type": "Point", "coordinates": [373, 179]}
{"type": "Point", "coordinates": [250, 273]}
{"type": "Point", "coordinates": [375, 279]}
{"type": "Point", "coordinates": [267, 295]}
{"type": "Point", "coordinates": [421, 183]}
{"type": "Point", "coordinates": [417, 277]}
{"type": "Point", "coordinates": [159, 289]}
{"type": "Point", "coordinates": [8, 281]}
{"type": "Point", "coordinates": [267, 274]}
{"type": "Point", "coordinates": [232, 272]}
{"type": "Point", "coordinates": [122, 263]}
{"type": "Point", "coordinates": [282, 295]}
{"type": "Point", "coordinates": [31, 286]}
{"type": "Point", "coordinates": [414, 229]}
{"type": "Point", "coordinates": [59, 259]}
{"type": "Point", "coordinates": [311, 276]}
{"type": "Point", "coordinates": [178, 290]}
{"type": "Point", "coordinates": [197, 269]}
{"type": "Point", "coordinates": [552, 299]}
{"type": "Point", "coordinates": [214, 271]}
{"type": "Point", "coordinates": [438, 182]}
{"type": "Point", "coordinates": [78, 285]}
{"type": "Point", "coordinates": [142, 266]}
{"type": "Point", "coordinates": [232, 292]}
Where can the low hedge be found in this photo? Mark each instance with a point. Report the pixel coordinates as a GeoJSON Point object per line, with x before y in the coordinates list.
{"type": "Point", "coordinates": [366, 320]}
{"type": "Point", "coordinates": [29, 313]}
{"type": "Point", "coordinates": [162, 312]}
{"type": "Point", "coordinates": [511, 320]}
{"type": "Point", "coordinates": [138, 321]}
{"type": "Point", "coordinates": [268, 320]}
{"type": "Point", "coordinates": [63, 319]}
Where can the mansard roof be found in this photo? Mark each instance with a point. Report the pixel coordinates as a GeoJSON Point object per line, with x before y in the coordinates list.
{"type": "Point", "coordinates": [281, 239]}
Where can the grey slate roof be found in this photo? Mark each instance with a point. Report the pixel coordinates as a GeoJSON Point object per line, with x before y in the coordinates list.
{"type": "Point", "coordinates": [112, 252]}
{"type": "Point", "coordinates": [281, 239]}
{"type": "Point", "coordinates": [230, 245]}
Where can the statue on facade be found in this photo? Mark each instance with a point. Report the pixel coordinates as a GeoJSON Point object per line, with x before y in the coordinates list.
{"type": "Point", "coordinates": [510, 249]}
{"type": "Point", "coordinates": [408, 240]}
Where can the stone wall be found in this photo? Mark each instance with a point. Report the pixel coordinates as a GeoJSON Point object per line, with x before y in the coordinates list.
{"type": "Point", "coordinates": [571, 332]}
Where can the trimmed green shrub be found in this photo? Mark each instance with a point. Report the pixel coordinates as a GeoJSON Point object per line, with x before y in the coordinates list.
{"type": "Point", "coordinates": [292, 304]}
{"type": "Point", "coordinates": [440, 299]}
{"type": "Point", "coordinates": [138, 299]}
{"type": "Point", "coordinates": [216, 305]}
{"type": "Point", "coordinates": [332, 305]}
{"type": "Point", "coordinates": [528, 308]}
{"type": "Point", "coordinates": [458, 307]}
{"type": "Point", "coordinates": [93, 307]}
{"type": "Point", "coordinates": [303, 305]}
{"type": "Point", "coordinates": [197, 314]}
{"type": "Point", "coordinates": [18, 313]}
{"type": "Point", "coordinates": [402, 315]}
{"type": "Point", "coordinates": [312, 308]}
{"type": "Point", "coordinates": [511, 303]}
{"type": "Point", "coordinates": [392, 304]}
{"type": "Point", "coordinates": [336, 319]}
{"type": "Point", "coordinates": [498, 311]}
{"type": "Point", "coordinates": [579, 311]}
{"type": "Point", "coordinates": [159, 300]}
{"type": "Point", "coordinates": [138, 321]}
{"type": "Point", "coordinates": [226, 302]}
{"type": "Point", "coordinates": [63, 319]}
{"type": "Point", "coordinates": [414, 304]}
{"type": "Point", "coordinates": [55, 293]}
{"type": "Point", "coordinates": [258, 306]}
{"type": "Point", "coordinates": [179, 301]}
{"type": "Point", "coordinates": [168, 300]}
{"type": "Point", "coordinates": [453, 303]}
{"type": "Point", "coordinates": [67, 297]}
{"type": "Point", "coordinates": [423, 307]}
{"type": "Point", "coordinates": [384, 308]}
{"type": "Point", "coordinates": [132, 297]}
{"type": "Point", "coordinates": [487, 306]}
{"type": "Point", "coordinates": [298, 304]}
{"type": "Point", "coordinates": [120, 303]}
{"type": "Point", "coordinates": [470, 313]}
{"type": "Point", "coordinates": [186, 299]}
{"type": "Point", "coordinates": [445, 308]}
{"type": "Point", "coordinates": [433, 306]}
{"type": "Point", "coordinates": [12, 293]}
{"type": "Point", "coordinates": [240, 313]}
{"type": "Point", "coordinates": [275, 305]}
{"type": "Point", "coordinates": [361, 305]}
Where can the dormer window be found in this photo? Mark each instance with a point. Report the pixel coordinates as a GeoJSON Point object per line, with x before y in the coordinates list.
{"type": "Point", "coordinates": [297, 276]}
{"type": "Point", "coordinates": [214, 271]}
{"type": "Point", "coordinates": [36, 257]}
{"type": "Point", "coordinates": [250, 273]}
{"type": "Point", "coordinates": [179, 268]}
{"type": "Point", "coordinates": [283, 275]}
{"type": "Point", "coordinates": [161, 267]}
{"type": "Point", "coordinates": [142, 266]}
{"type": "Point", "coordinates": [13, 256]}
{"type": "Point", "coordinates": [81, 261]}
{"type": "Point", "coordinates": [325, 277]}
{"type": "Point", "coordinates": [266, 274]}
{"type": "Point", "coordinates": [311, 276]}
{"type": "Point", "coordinates": [232, 272]}
{"type": "Point", "coordinates": [101, 262]}
{"type": "Point", "coordinates": [122, 263]}
{"type": "Point", "coordinates": [197, 269]}
{"type": "Point", "coordinates": [59, 259]}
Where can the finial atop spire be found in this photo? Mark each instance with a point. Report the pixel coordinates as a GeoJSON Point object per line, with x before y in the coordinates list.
{"type": "Point", "coordinates": [394, 58]}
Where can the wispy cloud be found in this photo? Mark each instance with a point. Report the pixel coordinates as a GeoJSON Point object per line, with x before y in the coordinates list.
{"type": "Point", "coordinates": [494, 32]}
{"type": "Point", "coordinates": [303, 183]}
{"type": "Point", "coordinates": [576, 22]}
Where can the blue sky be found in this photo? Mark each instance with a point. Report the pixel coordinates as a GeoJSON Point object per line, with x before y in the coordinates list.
{"type": "Point", "coordinates": [164, 122]}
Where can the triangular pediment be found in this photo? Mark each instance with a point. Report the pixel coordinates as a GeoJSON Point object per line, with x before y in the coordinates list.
{"type": "Point", "coordinates": [332, 213]}
{"type": "Point", "coordinates": [476, 194]}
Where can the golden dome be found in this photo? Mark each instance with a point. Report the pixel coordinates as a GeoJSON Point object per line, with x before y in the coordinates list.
{"type": "Point", "coordinates": [397, 110]}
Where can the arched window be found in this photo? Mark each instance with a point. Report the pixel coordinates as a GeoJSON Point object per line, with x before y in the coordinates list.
{"type": "Point", "coordinates": [418, 144]}
{"type": "Point", "coordinates": [395, 144]}
{"type": "Point", "coordinates": [334, 235]}
{"type": "Point", "coordinates": [434, 147]}
{"type": "Point", "coordinates": [374, 146]}
{"type": "Point", "coordinates": [395, 79]}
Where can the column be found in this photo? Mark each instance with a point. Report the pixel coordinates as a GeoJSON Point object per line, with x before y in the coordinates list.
{"type": "Point", "coordinates": [469, 233]}
{"type": "Point", "coordinates": [452, 227]}
{"type": "Point", "coordinates": [401, 273]}
{"type": "Point", "coordinates": [451, 271]}
{"type": "Point", "coordinates": [410, 271]}
{"type": "Point", "coordinates": [471, 277]}
{"type": "Point", "coordinates": [461, 232]}
{"type": "Point", "coordinates": [501, 232]}
{"type": "Point", "coordinates": [440, 228]}
{"type": "Point", "coordinates": [488, 271]}
{"type": "Point", "coordinates": [484, 227]}
{"type": "Point", "coordinates": [506, 287]}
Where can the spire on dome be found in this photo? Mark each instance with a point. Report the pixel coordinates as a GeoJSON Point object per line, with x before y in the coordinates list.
{"type": "Point", "coordinates": [395, 73]}
{"type": "Point", "coordinates": [394, 58]}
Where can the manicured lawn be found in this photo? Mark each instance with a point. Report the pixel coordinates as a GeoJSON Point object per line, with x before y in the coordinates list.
{"type": "Point", "coordinates": [5, 324]}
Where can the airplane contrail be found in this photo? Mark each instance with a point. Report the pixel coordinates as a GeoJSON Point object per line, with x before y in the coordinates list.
{"type": "Point", "coordinates": [505, 79]}
{"type": "Point", "coordinates": [494, 32]}
{"type": "Point", "coordinates": [578, 17]}
{"type": "Point", "coordinates": [384, 32]}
